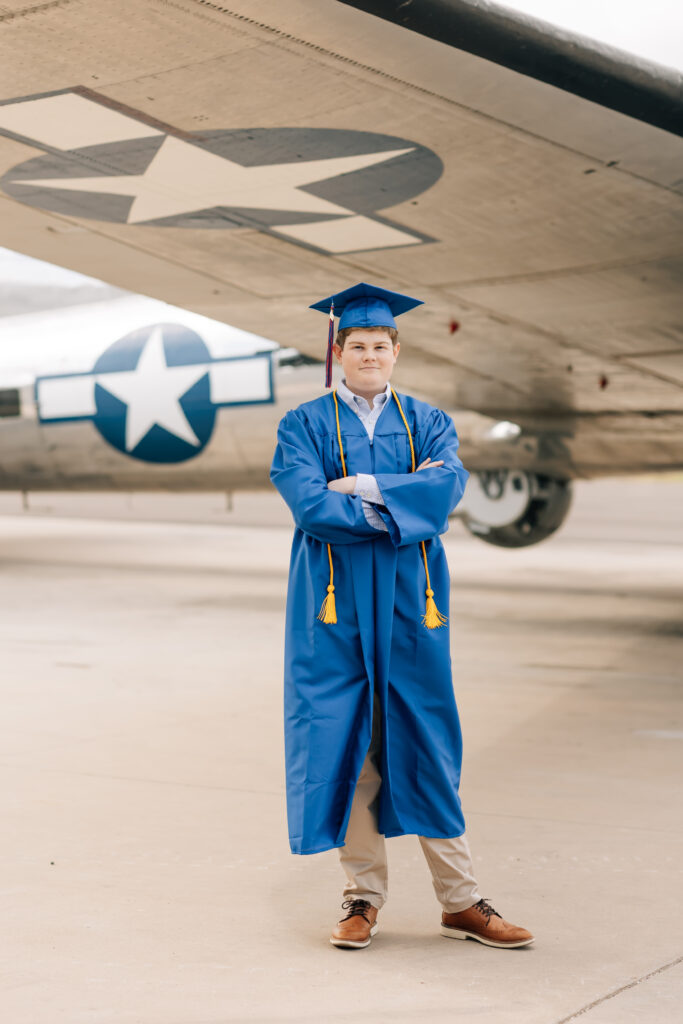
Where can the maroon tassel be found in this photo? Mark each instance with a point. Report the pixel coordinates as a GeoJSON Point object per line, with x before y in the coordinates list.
{"type": "Point", "coordinates": [330, 339]}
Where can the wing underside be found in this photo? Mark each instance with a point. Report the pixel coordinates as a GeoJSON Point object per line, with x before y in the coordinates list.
{"type": "Point", "coordinates": [240, 162]}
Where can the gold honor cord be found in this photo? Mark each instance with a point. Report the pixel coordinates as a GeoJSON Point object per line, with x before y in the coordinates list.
{"type": "Point", "coordinates": [432, 617]}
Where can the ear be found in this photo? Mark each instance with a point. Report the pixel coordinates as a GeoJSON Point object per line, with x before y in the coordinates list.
{"type": "Point", "coordinates": [337, 351]}
{"type": "Point", "coordinates": [397, 349]}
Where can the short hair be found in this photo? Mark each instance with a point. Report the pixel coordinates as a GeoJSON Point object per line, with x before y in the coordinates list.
{"type": "Point", "coordinates": [343, 334]}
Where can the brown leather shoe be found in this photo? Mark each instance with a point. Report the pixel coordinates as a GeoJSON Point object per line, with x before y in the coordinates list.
{"type": "Point", "coordinates": [356, 929]}
{"type": "Point", "coordinates": [483, 923]}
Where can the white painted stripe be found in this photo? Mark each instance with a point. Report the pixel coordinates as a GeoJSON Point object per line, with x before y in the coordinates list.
{"type": "Point", "coordinates": [348, 234]}
{"type": "Point", "coordinates": [240, 380]}
{"type": "Point", "coordinates": [64, 397]}
{"type": "Point", "coordinates": [68, 121]}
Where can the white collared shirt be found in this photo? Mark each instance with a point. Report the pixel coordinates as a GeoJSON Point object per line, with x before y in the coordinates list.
{"type": "Point", "coordinates": [369, 415]}
{"type": "Point", "coordinates": [366, 485]}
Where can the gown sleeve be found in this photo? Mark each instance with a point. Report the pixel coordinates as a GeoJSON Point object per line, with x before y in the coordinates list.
{"type": "Point", "coordinates": [417, 505]}
{"type": "Point", "coordinates": [297, 473]}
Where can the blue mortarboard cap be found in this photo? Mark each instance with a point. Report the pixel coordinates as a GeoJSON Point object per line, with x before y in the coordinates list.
{"type": "Point", "coordinates": [363, 305]}
{"type": "Point", "coordinates": [366, 305]}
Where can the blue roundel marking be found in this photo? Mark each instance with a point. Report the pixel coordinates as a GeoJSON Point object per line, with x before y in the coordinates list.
{"type": "Point", "coordinates": [193, 412]}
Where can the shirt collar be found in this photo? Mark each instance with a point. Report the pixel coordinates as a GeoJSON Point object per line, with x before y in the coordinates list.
{"type": "Point", "coordinates": [357, 401]}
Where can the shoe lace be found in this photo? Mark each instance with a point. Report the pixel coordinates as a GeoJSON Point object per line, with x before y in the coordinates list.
{"type": "Point", "coordinates": [356, 908]}
{"type": "Point", "coordinates": [485, 908]}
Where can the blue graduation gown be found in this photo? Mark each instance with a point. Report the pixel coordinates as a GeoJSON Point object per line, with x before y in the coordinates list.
{"type": "Point", "coordinates": [379, 640]}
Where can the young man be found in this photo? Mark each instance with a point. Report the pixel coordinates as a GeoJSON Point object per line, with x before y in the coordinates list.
{"type": "Point", "coordinates": [372, 736]}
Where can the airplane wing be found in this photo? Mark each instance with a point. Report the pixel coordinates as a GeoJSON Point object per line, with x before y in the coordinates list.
{"type": "Point", "coordinates": [244, 161]}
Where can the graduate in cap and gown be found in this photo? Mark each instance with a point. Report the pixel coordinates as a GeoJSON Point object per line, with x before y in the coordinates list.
{"type": "Point", "coordinates": [373, 745]}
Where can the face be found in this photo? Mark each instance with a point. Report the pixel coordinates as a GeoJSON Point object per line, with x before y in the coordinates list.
{"type": "Point", "coordinates": [367, 359]}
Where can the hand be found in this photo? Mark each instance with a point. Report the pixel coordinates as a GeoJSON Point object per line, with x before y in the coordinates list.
{"type": "Point", "coordinates": [428, 464]}
{"type": "Point", "coordinates": [343, 484]}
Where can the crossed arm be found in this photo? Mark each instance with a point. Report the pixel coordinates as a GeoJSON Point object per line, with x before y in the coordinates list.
{"type": "Point", "coordinates": [415, 506]}
{"type": "Point", "coordinates": [297, 472]}
{"type": "Point", "coordinates": [347, 484]}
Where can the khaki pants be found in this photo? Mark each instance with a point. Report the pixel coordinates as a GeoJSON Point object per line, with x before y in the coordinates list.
{"type": "Point", "coordinates": [364, 856]}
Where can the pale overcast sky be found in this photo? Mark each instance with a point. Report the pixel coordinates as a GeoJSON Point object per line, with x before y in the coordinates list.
{"type": "Point", "coordinates": [24, 270]}
{"type": "Point", "coordinates": [648, 28]}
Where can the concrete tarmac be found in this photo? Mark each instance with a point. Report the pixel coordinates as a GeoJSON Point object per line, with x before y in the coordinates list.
{"type": "Point", "coordinates": [146, 874]}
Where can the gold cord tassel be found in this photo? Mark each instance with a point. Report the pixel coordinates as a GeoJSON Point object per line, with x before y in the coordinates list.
{"type": "Point", "coordinates": [432, 617]}
{"type": "Point", "coordinates": [328, 609]}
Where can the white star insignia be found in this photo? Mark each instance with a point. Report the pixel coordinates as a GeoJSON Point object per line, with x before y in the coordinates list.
{"type": "Point", "coordinates": [152, 392]}
{"type": "Point", "coordinates": [182, 178]}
